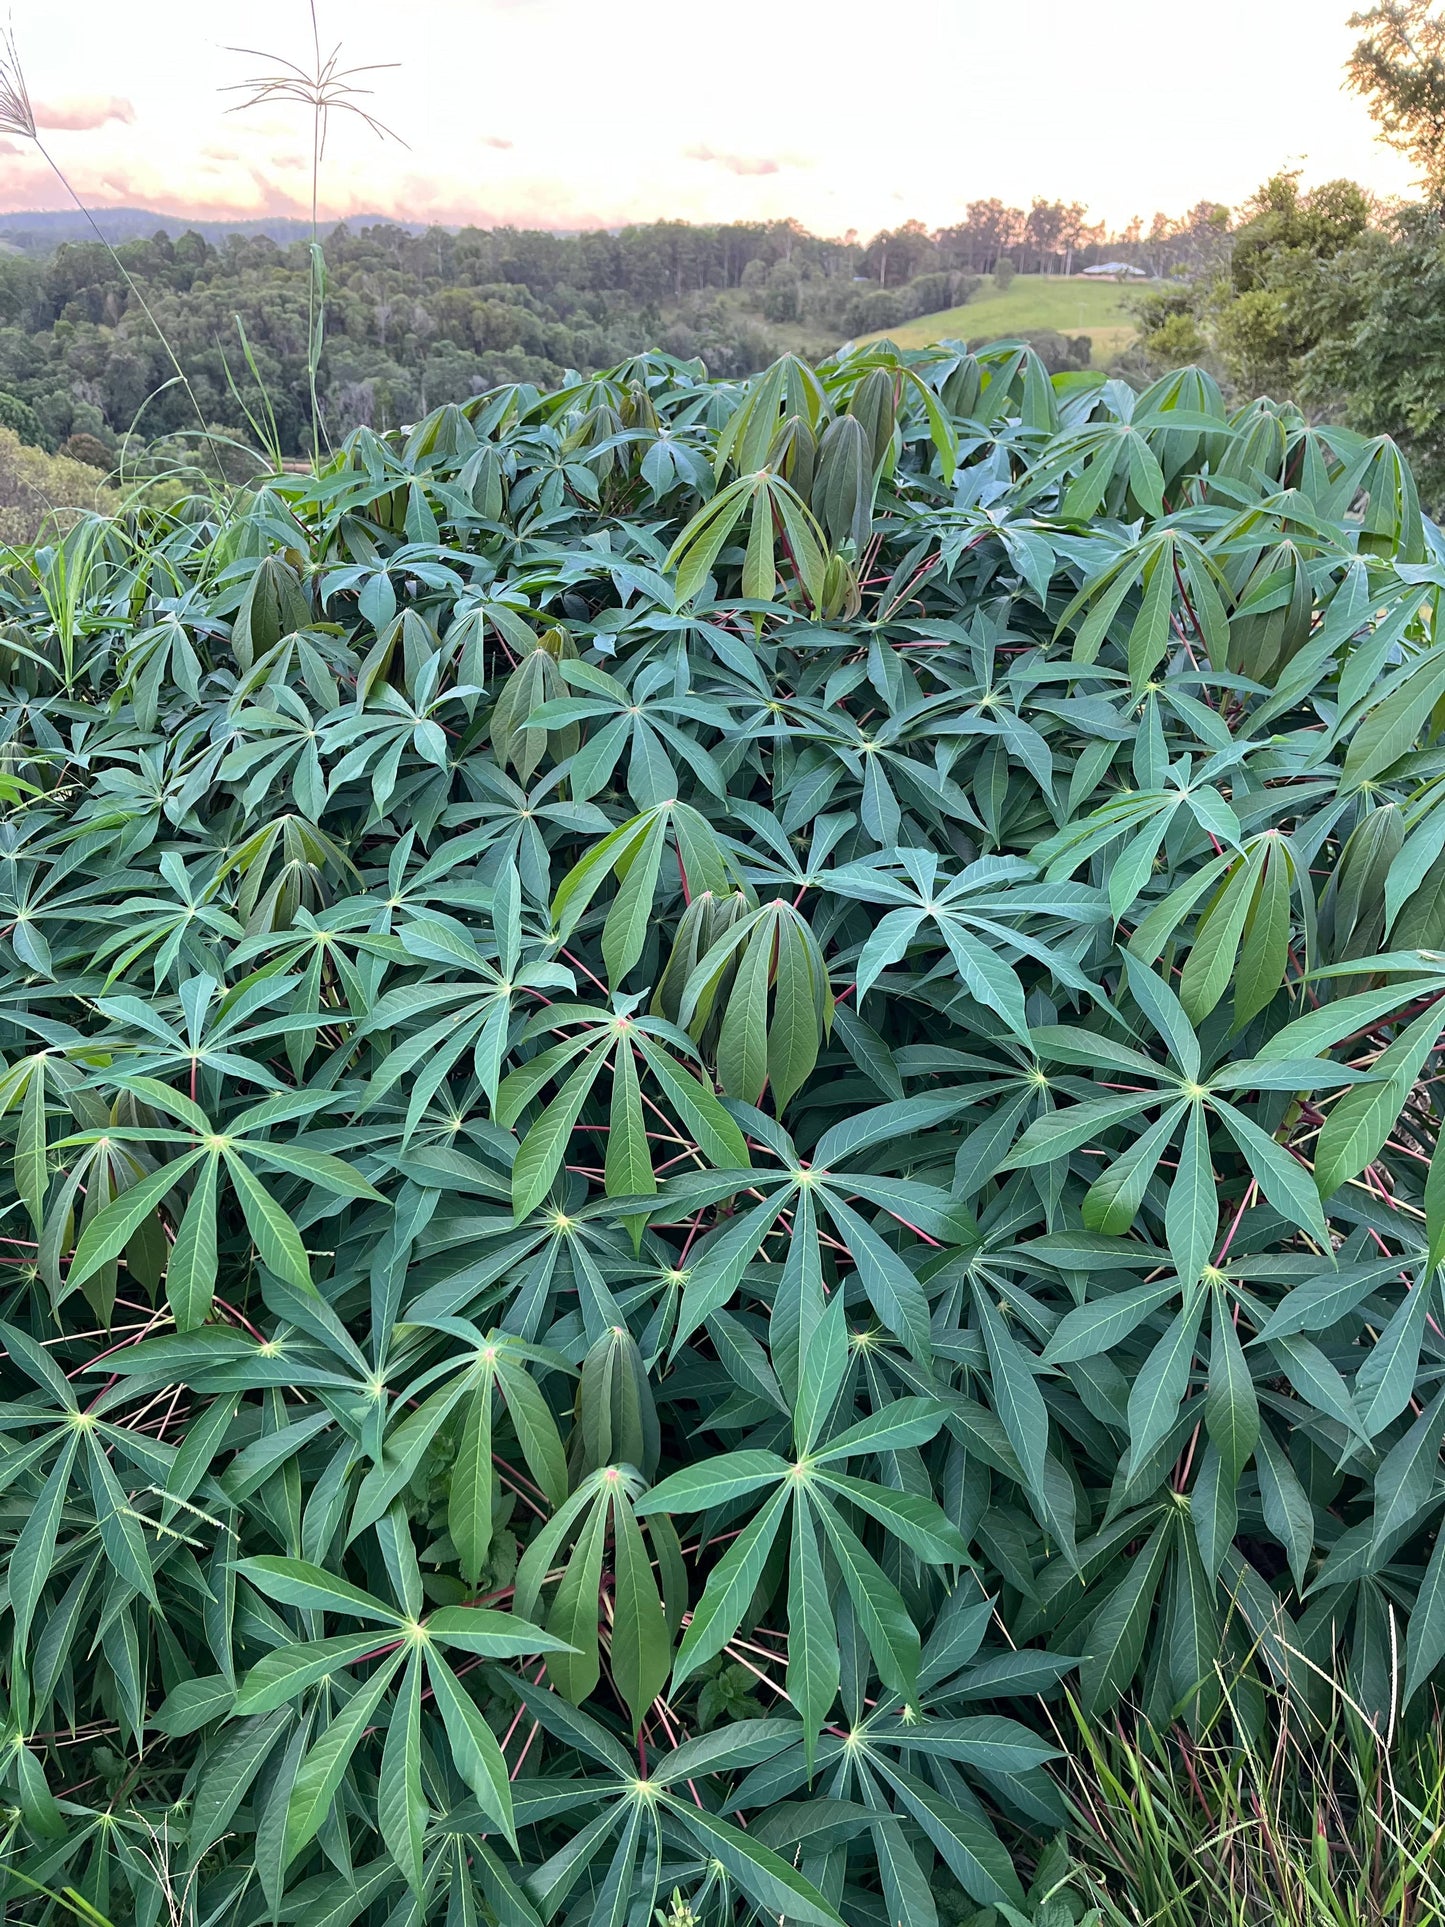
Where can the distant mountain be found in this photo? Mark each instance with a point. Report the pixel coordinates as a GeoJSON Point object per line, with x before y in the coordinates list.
{"type": "Point", "coordinates": [39, 233]}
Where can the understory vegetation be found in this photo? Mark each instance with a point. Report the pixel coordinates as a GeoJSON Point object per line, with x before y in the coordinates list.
{"type": "Point", "coordinates": [719, 1110]}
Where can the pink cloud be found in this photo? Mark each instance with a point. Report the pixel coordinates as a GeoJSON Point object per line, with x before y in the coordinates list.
{"type": "Point", "coordinates": [495, 140]}
{"type": "Point", "coordinates": [81, 113]}
{"type": "Point", "coordinates": [746, 164]}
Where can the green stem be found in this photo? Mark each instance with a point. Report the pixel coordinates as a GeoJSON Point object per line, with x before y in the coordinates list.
{"type": "Point", "coordinates": [315, 292]}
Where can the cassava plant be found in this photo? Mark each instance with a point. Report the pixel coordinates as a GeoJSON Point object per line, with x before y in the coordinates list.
{"type": "Point", "coordinates": [706, 1088]}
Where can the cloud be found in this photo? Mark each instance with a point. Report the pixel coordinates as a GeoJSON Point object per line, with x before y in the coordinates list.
{"type": "Point", "coordinates": [81, 113]}
{"type": "Point", "coordinates": [495, 140]}
{"type": "Point", "coordinates": [241, 193]}
{"type": "Point", "coordinates": [272, 198]}
{"type": "Point", "coordinates": [735, 163]}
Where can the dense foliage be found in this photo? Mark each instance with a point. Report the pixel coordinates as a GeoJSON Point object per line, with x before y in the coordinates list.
{"type": "Point", "coordinates": [1283, 286]}
{"type": "Point", "coordinates": [1324, 298]}
{"type": "Point", "coordinates": [703, 1086]}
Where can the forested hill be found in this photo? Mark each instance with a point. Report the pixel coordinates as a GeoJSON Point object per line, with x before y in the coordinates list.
{"type": "Point", "coordinates": [414, 317]}
{"type": "Point", "coordinates": [411, 318]}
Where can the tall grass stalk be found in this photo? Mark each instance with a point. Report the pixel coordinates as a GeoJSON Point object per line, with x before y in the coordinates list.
{"type": "Point", "coordinates": [325, 87]}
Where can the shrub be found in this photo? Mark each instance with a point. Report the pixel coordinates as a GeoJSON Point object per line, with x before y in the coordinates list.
{"type": "Point", "coordinates": [1177, 341]}
{"type": "Point", "coordinates": [699, 1091]}
{"type": "Point", "coordinates": [21, 419]}
{"type": "Point", "coordinates": [89, 449]}
{"type": "Point", "coordinates": [1004, 271]}
{"type": "Point", "coordinates": [877, 308]}
{"type": "Point", "coordinates": [42, 493]}
{"type": "Point", "coordinates": [1059, 353]}
{"type": "Point", "coordinates": [782, 298]}
{"type": "Point", "coordinates": [931, 292]}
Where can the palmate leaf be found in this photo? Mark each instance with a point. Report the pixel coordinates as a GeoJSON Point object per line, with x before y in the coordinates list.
{"type": "Point", "coordinates": [496, 1368]}
{"type": "Point", "coordinates": [816, 1520]}
{"type": "Point", "coordinates": [763, 1040]}
{"type": "Point", "coordinates": [194, 1253]}
{"type": "Point", "coordinates": [324, 1767]}
{"type": "Point", "coordinates": [1163, 566]}
{"type": "Point", "coordinates": [887, 1279]}
{"type": "Point", "coordinates": [290, 1671]}
{"type": "Point", "coordinates": [500, 1370]}
{"type": "Point", "coordinates": [878, 1757]}
{"type": "Point", "coordinates": [600, 1522]}
{"type": "Point", "coordinates": [619, 1044]}
{"type": "Point", "coordinates": [633, 854]}
{"type": "Point", "coordinates": [1243, 935]}
{"type": "Point", "coordinates": [1115, 1642]}
{"type": "Point", "coordinates": [1362, 1119]}
{"type": "Point", "coordinates": [641, 1646]}
{"type": "Point", "coordinates": [762, 1875]}
{"type": "Point", "coordinates": [772, 507]}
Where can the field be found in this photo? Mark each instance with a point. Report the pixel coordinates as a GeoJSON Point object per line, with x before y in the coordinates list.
{"type": "Point", "coordinates": [1071, 305]}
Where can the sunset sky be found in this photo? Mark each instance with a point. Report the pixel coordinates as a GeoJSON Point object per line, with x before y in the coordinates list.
{"type": "Point", "coordinates": [572, 113]}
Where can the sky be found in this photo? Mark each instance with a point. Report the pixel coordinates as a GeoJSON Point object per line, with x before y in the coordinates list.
{"type": "Point", "coordinates": [581, 113]}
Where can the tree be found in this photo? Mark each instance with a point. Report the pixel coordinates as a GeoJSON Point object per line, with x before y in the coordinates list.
{"type": "Point", "coordinates": [1156, 248]}
{"type": "Point", "coordinates": [895, 257]}
{"type": "Point", "coordinates": [1075, 232]}
{"type": "Point", "coordinates": [1398, 65]}
{"type": "Point", "coordinates": [1206, 239]}
{"type": "Point", "coordinates": [22, 420]}
{"type": "Point", "coordinates": [987, 231]}
{"type": "Point", "coordinates": [1264, 300]}
{"type": "Point", "coordinates": [1381, 353]}
{"type": "Point", "coordinates": [1044, 229]}
{"type": "Point", "coordinates": [1287, 230]}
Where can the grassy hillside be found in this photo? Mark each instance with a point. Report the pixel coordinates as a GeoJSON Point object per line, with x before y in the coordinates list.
{"type": "Point", "coordinates": [1072, 306]}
